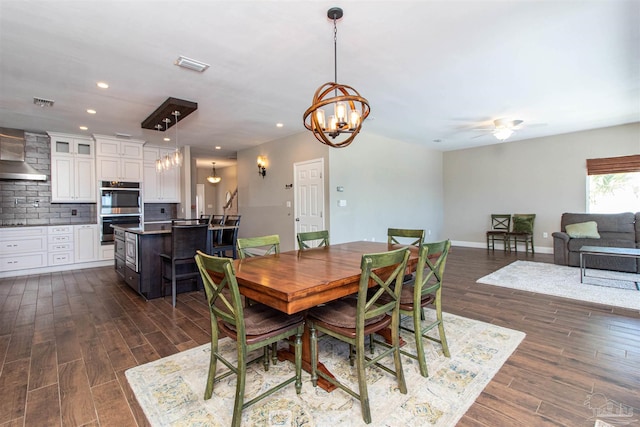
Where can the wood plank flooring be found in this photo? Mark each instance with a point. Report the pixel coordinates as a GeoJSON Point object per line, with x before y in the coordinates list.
{"type": "Point", "coordinates": [67, 338]}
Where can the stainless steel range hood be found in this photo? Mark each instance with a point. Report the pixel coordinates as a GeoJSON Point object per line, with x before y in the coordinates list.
{"type": "Point", "coordinates": [12, 163]}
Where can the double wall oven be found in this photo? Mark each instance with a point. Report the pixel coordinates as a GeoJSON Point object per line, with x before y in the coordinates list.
{"type": "Point", "coordinates": [120, 204]}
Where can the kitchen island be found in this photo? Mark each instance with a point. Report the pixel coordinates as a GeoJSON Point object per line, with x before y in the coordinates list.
{"type": "Point", "coordinates": [137, 256]}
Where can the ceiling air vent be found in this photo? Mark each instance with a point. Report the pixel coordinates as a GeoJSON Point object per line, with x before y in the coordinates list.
{"type": "Point", "coordinates": [43, 102]}
{"type": "Point", "coordinates": [191, 64]}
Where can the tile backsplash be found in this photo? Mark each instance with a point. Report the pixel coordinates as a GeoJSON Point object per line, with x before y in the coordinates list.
{"type": "Point", "coordinates": [29, 202]}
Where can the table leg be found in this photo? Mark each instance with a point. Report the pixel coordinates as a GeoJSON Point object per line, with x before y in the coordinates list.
{"type": "Point", "coordinates": [581, 267]}
{"type": "Point", "coordinates": [289, 354]}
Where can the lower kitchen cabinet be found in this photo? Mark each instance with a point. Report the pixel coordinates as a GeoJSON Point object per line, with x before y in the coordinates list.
{"type": "Point", "coordinates": [86, 242]}
{"type": "Point", "coordinates": [23, 248]}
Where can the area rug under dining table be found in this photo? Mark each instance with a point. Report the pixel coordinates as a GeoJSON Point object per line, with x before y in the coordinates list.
{"type": "Point", "coordinates": [170, 390]}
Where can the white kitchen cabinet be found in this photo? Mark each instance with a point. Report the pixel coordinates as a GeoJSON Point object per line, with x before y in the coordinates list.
{"type": "Point", "coordinates": [159, 187]}
{"type": "Point", "coordinates": [73, 170]}
{"type": "Point", "coordinates": [23, 248]}
{"type": "Point", "coordinates": [118, 160]}
{"type": "Point", "coordinates": [86, 242]}
{"type": "Point", "coordinates": [60, 245]}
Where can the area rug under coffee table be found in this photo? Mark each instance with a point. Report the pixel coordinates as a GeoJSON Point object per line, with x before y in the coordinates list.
{"type": "Point", "coordinates": [170, 390]}
{"type": "Point", "coordinates": [610, 287]}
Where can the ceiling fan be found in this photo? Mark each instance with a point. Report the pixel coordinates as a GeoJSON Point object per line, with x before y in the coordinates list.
{"type": "Point", "coordinates": [503, 128]}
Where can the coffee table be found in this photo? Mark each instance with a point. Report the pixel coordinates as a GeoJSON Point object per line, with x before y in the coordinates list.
{"type": "Point", "coordinates": [606, 251]}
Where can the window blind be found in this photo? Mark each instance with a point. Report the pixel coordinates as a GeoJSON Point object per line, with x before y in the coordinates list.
{"type": "Point", "coordinates": [608, 165]}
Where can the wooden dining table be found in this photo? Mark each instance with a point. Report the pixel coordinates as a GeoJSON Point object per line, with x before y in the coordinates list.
{"type": "Point", "coordinates": [298, 280]}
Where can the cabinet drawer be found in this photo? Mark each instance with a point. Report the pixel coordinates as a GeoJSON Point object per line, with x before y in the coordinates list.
{"type": "Point", "coordinates": [120, 267]}
{"type": "Point", "coordinates": [61, 247]}
{"type": "Point", "coordinates": [132, 278]}
{"type": "Point", "coordinates": [60, 258]}
{"type": "Point", "coordinates": [62, 238]}
{"type": "Point", "coordinates": [60, 229]}
{"type": "Point", "coordinates": [20, 232]}
{"type": "Point", "coordinates": [25, 261]}
{"type": "Point", "coordinates": [27, 244]}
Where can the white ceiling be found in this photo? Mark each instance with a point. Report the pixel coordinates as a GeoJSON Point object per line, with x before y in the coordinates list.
{"type": "Point", "coordinates": [431, 70]}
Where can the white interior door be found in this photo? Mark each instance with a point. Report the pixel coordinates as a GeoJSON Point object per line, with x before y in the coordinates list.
{"type": "Point", "coordinates": [309, 195]}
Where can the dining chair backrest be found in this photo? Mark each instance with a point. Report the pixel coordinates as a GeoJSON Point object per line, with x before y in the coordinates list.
{"type": "Point", "coordinates": [430, 272]}
{"type": "Point", "coordinates": [258, 246]}
{"type": "Point", "coordinates": [313, 239]}
{"type": "Point", "coordinates": [187, 237]}
{"type": "Point", "coordinates": [216, 219]}
{"type": "Point", "coordinates": [219, 279]}
{"type": "Point", "coordinates": [404, 236]}
{"type": "Point", "coordinates": [229, 236]}
{"type": "Point", "coordinates": [500, 222]}
{"type": "Point", "coordinates": [388, 284]}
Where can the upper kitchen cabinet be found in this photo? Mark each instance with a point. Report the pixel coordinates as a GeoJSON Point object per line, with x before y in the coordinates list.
{"type": "Point", "coordinates": [73, 169]}
{"type": "Point", "coordinates": [118, 160]}
{"type": "Point", "coordinates": [159, 187]}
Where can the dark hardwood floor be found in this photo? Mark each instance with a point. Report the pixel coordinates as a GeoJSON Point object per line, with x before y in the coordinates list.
{"type": "Point", "coordinates": [67, 338]}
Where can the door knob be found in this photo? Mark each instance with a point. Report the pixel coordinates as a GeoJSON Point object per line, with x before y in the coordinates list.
{"type": "Point", "coordinates": [297, 219]}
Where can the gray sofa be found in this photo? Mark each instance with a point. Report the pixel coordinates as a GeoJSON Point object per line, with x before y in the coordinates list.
{"type": "Point", "coordinates": [621, 230]}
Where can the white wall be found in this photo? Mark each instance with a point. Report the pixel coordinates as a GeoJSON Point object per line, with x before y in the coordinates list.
{"type": "Point", "coordinates": [545, 176]}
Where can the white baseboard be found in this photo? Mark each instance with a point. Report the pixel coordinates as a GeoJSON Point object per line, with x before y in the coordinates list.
{"type": "Point", "coordinates": [483, 245]}
{"type": "Point", "coordinates": [53, 269]}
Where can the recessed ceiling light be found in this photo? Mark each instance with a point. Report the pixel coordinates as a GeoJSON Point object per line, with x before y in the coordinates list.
{"type": "Point", "coordinates": [102, 85]}
{"type": "Point", "coordinates": [84, 128]}
{"type": "Point", "coordinates": [90, 111]}
{"type": "Point", "coordinates": [218, 147]}
{"type": "Point", "coordinates": [167, 139]}
{"type": "Point", "coordinates": [191, 64]}
{"type": "Point", "coordinates": [280, 125]}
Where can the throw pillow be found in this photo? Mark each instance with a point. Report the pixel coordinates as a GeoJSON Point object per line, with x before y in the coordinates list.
{"type": "Point", "coordinates": [522, 225]}
{"type": "Point", "coordinates": [583, 230]}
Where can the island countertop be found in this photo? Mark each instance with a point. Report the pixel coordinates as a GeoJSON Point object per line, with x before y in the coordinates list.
{"type": "Point", "coordinates": [144, 229]}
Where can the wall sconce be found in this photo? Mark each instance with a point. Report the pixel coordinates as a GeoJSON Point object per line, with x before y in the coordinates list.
{"type": "Point", "coordinates": [262, 166]}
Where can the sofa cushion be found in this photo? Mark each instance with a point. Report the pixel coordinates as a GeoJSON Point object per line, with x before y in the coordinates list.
{"type": "Point", "coordinates": [588, 230]}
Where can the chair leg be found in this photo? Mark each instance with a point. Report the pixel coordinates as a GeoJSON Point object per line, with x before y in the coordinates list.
{"type": "Point", "coordinates": [314, 355]}
{"type": "Point", "coordinates": [443, 337]}
{"type": "Point", "coordinates": [213, 363]}
{"type": "Point", "coordinates": [173, 284]}
{"type": "Point", "coordinates": [298, 356]}
{"type": "Point", "coordinates": [417, 328]}
{"type": "Point", "coordinates": [362, 380]}
{"type": "Point", "coordinates": [240, 386]}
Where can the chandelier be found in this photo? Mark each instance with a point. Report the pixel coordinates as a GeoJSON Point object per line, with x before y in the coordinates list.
{"type": "Point", "coordinates": [172, 160]}
{"type": "Point", "coordinates": [348, 107]}
{"type": "Point", "coordinates": [213, 178]}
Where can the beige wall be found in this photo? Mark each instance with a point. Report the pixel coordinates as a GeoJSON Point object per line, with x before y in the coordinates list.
{"type": "Point", "coordinates": [387, 183]}
{"type": "Point", "coordinates": [214, 194]}
{"type": "Point", "coordinates": [262, 201]}
{"type": "Point", "coordinates": [545, 176]}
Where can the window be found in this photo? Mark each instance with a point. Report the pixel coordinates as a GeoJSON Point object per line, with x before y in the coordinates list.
{"type": "Point", "coordinates": [614, 184]}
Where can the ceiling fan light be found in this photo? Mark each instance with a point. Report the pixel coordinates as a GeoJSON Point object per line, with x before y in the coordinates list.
{"type": "Point", "coordinates": [502, 133]}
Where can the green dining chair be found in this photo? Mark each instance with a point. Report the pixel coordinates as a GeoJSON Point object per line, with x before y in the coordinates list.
{"type": "Point", "coordinates": [351, 319]}
{"type": "Point", "coordinates": [313, 239]}
{"type": "Point", "coordinates": [521, 232]}
{"type": "Point", "coordinates": [425, 291]}
{"type": "Point", "coordinates": [405, 236]}
{"type": "Point", "coordinates": [258, 246]}
{"type": "Point", "coordinates": [254, 327]}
